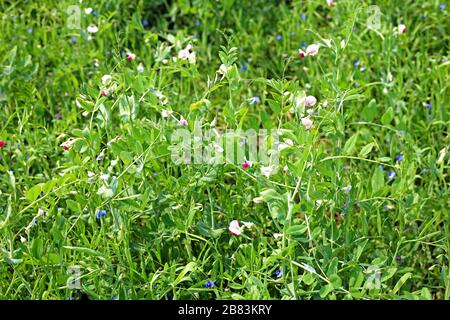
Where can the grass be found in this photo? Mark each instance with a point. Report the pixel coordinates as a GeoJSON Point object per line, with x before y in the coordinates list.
{"type": "Point", "coordinates": [380, 94]}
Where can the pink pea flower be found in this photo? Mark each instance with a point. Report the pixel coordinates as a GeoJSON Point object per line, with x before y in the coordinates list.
{"type": "Point", "coordinates": [2, 144]}
{"type": "Point", "coordinates": [310, 101]}
{"type": "Point", "coordinates": [234, 228]}
{"type": "Point", "coordinates": [246, 164]}
{"type": "Point", "coordinates": [312, 49]}
{"type": "Point", "coordinates": [183, 122]}
{"type": "Point", "coordinates": [131, 56]}
{"type": "Point", "coordinates": [104, 93]}
{"type": "Point", "coordinates": [401, 28]}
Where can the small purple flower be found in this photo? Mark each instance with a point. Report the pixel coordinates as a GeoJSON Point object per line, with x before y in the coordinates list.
{"type": "Point", "coordinates": [278, 37]}
{"type": "Point", "coordinates": [429, 104]}
{"type": "Point", "coordinates": [58, 116]}
{"type": "Point", "coordinates": [254, 100]}
{"type": "Point", "coordinates": [155, 174]}
{"type": "Point", "coordinates": [145, 22]}
{"type": "Point", "coordinates": [391, 175]}
{"type": "Point", "coordinates": [30, 30]}
{"type": "Point", "coordinates": [244, 67]}
{"type": "Point", "coordinates": [399, 157]}
{"type": "Point", "coordinates": [27, 158]}
{"type": "Point", "coordinates": [197, 23]}
{"type": "Point", "coordinates": [444, 59]}
{"type": "Point", "coordinates": [303, 16]}
{"type": "Point", "coordinates": [398, 259]}
{"type": "Point", "coordinates": [442, 6]}
{"type": "Point", "coordinates": [303, 44]}
{"type": "Point", "coordinates": [355, 63]}
{"type": "Point", "coordinates": [100, 213]}
{"type": "Point", "coordinates": [401, 132]}
{"type": "Point", "coordinates": [278, 273]}
{"type": "Point", "coordinates": [209, 284]}
{"type": "Point", "coordinates": [381, 167]}
{"type": "Point", "coordinates": [95, 13]}
{"type": "Point", "coordinates": [73, 40]}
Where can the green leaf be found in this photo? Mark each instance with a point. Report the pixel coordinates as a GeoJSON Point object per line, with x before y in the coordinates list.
{"type": "Point", "coordinates": [33, 193]}
{"type": "Point", "coordinates": [387, 116]}
{"type": "Point", "coordinates": [350, 144]}
{"type": "Point", "coordinates": [370, 111]}
{"type": "Point", "coordinates": [366, 149]}
{"type": "Point", "coordinates": [402, 281]}
{"type": "Point", "coordinates": [377, 181]}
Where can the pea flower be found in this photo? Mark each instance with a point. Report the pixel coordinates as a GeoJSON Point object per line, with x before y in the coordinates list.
{"type": "Point", "coordinates": [391, 175]}
{"type": "Point", "coordinates": [106, 79]}
{"type": "Point", "coordinates": [310, 101]}
{"type": "Point", "coordinates": [183, 122]}
{"type": "Point", "coordinates": [311, 50]}
{"type": "Point", "coordinates": [401, 28]}
{"type": "Point", "coordinates": [278, 37]}
{"type": "Point", "coordinates": [347, 189]}
{"type": "Point", "coordinates": [307, 123]}
{"type": "Point", "coordinates": [268, 171]}
{"type": "Point", "coordinates": [209, 284]}
{"type": "Point", "coordinates": [399, 157]}
{"type": "Point", "coordinates": [234, 228]}
{"type": "Point", "coordinates": [166, 113]}
{"type": "Point", "coordinates": [92, 28]}
{"type": "Point", "coordinates": [278, 273]}
{"type": "Point", "coordinates": [100, 213]}
{"type": "Point", "coordinates": [186, 54]}
{"type": "Point", "coordinates": [131, 56]}
{"type": "Point", "coordinates": [140, 68]}
{"type": "Point", "coordinates": [254, 100]}
{"type": "Point", "coordinates": [246, 164]}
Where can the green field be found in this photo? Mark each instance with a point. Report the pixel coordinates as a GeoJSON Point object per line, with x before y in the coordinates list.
{"type": "Point", "coordinates": [111, 113]}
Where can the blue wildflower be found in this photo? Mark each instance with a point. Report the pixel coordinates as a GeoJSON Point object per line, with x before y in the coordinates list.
{"type": "Point", "coordinates": [303, 44]}
{"type": "Point", "coordinates": [401, 132]}
{"type": "Point", "coordinates": [391, 175]}
{"type": "Point", "coordinates": [429, 105]}
{"type": "Point", "coordinates": [27, 158]}
{"type": "Point", "coordinates": [95, 13]}
{"type": "Point", "coordinates": [244, 67]}
{"type": "Point", "coordinates": [303, 16]}
{"type": "Point", "coordinates": [73, 39]}
{"type": "Point", "coordinates": [254, 100]}
{"type": "Point", "coordinates": [381, 167]}
{"type": "Point", "coordinates": [278, 37]}
{"type": "Point", "coordinates": [398, 259]}
{"type": "Point", "coordinates": [399, 157]}
{"type": "Point", "coordinates": [100, 213]}
{"type": "Point", "coordinates": [442, 6]}
{"type": "Point", "coordinates": [197, 23]}
{"type": "Point", "coordinates": [30, 30]}
{"type": "Point", "coordinates": [209, 284]}
{"type": "Point", "coordinates": [145, 22]}
{"type": "Point", "coordinates": [278, 273]}
{"type": "Point", "coordinates": [444, 60]}
{"type": "Point", "coordinates": [355, 62]}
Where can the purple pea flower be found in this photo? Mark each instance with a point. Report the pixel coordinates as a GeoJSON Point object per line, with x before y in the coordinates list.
{"type": "Point", "coordinates": [278, 273]}
{"type": "Point", "coordinates": [209, 284]}
{"type": "Point", "coordinates": [399, 157]}
{"type": "Point", "coordinates": [391, 175]}
{"type": "Point", "coordinates": [100, 213]}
